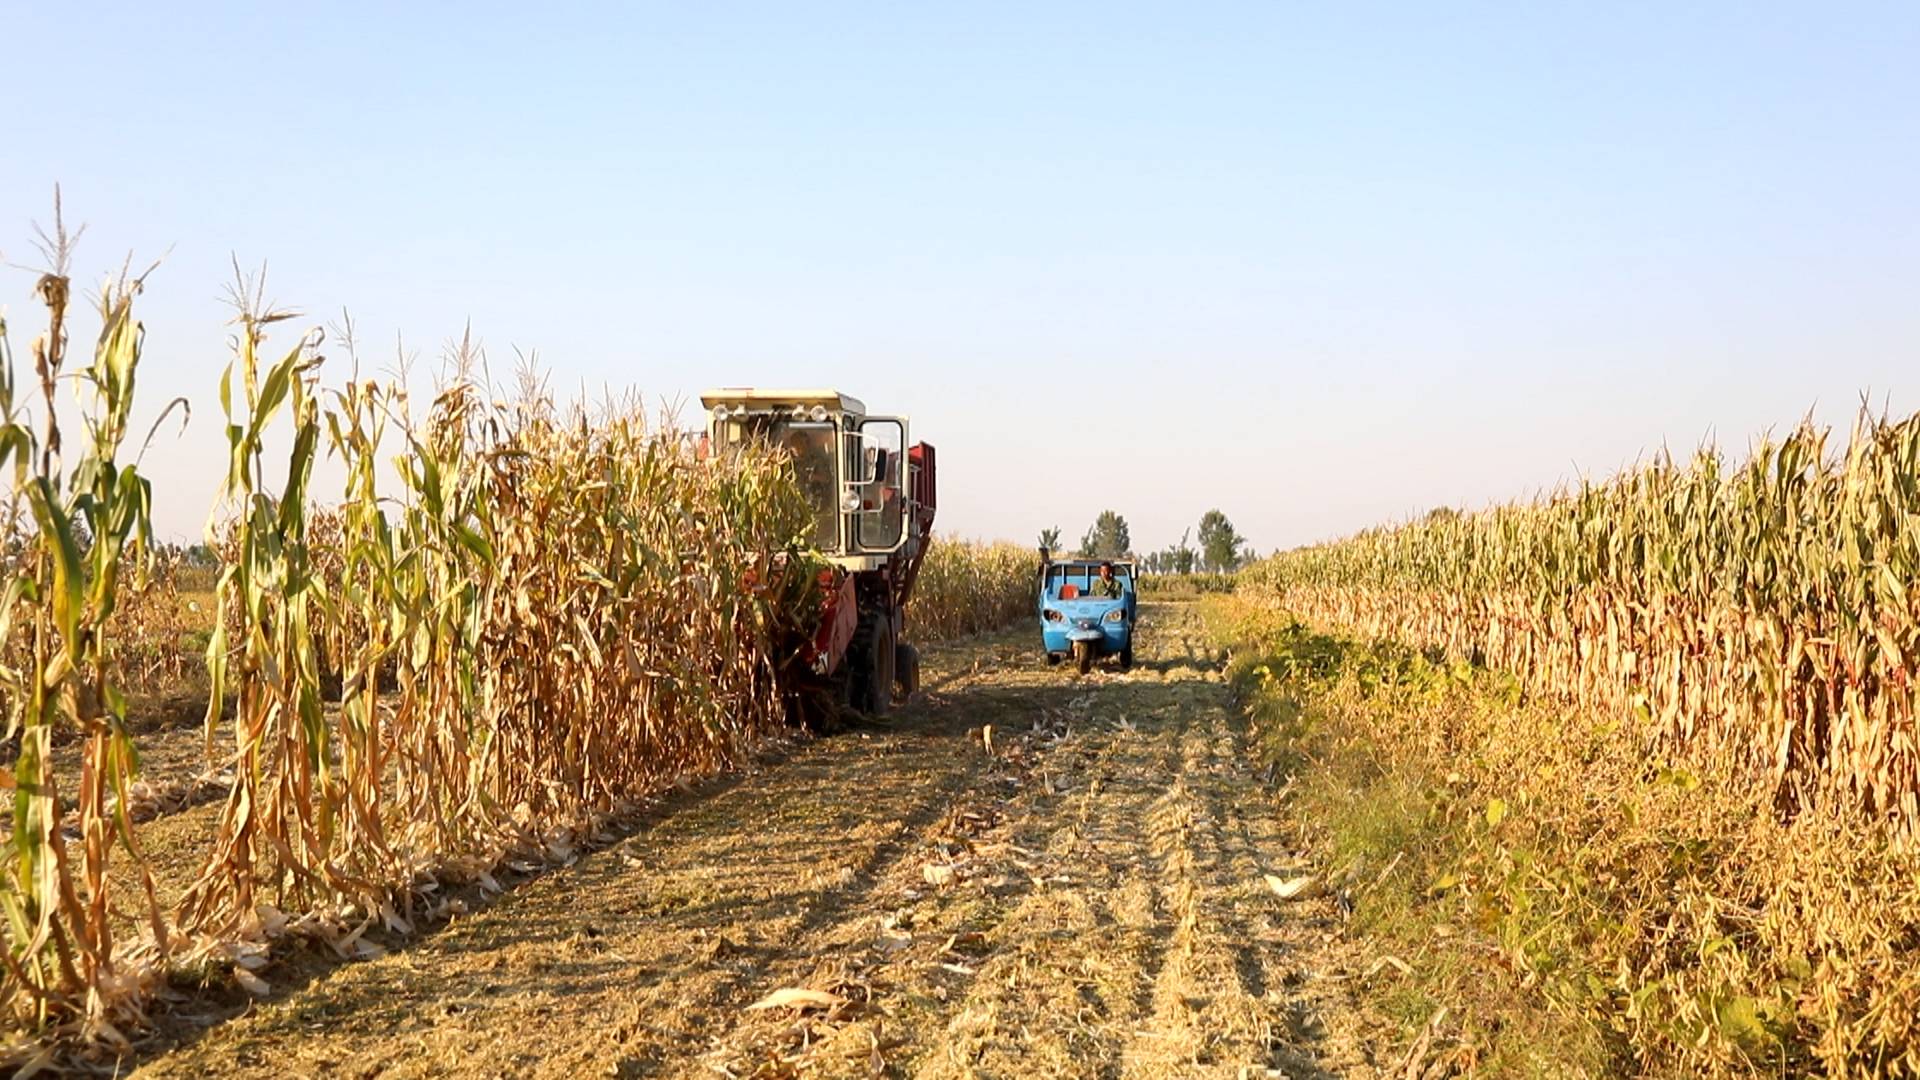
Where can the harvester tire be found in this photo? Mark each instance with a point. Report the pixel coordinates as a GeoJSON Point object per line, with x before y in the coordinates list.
{"type": "Point", "coordinates": [906, 670]}
{"type": "Point", "coordinates": [872, 664]}
{"type": "Point", "coordinates": [1083, 656]}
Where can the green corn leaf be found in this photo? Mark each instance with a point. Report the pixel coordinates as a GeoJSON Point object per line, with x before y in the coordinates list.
{"type": "Point", "coordinates": [471, 539]}
{"type": "Point", "coordinates": [69, 581]}
{"type": "Point", "coordinates": [274, 391]}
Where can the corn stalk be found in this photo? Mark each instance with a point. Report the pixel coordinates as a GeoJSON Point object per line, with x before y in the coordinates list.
{"type": "Point", "coordinates": [88, 528]}
{"type": "Point", "coordinates": [278, 827]}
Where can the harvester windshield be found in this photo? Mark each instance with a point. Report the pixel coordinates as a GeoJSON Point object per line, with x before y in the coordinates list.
{"type": "Point", "coordinates": [812, 446]}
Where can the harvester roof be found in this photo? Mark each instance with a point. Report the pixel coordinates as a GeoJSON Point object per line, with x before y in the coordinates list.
{"type": "Point", "coordinates": [753, 397]}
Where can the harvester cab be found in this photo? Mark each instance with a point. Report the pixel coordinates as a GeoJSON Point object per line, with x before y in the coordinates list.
{"type": "Point", "coordinates": [872, 494]}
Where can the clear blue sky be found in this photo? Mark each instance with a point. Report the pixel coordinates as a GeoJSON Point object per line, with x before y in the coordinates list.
{"type": "Point", "coordinates": [1315, 265]}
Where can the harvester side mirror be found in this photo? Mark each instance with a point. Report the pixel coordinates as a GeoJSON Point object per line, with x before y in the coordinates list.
{"type": "Point", "coordinates": [880, 462]}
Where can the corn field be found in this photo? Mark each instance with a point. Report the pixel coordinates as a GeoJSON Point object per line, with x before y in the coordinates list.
{"type": "Point", "coordinates": [967, 587]}
{"type": "Point", "coordinates": [1178, 585]}
{"type": "Point", "coordinates": [1765, 615]}
{"type": "Point", "coordinates": [511, 621]}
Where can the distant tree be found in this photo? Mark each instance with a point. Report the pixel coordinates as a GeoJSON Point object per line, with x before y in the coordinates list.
{"type": "Point", "coordinates": [1179, 558]}
{"type": "Point", "coordinates": [1219, 544]}
{"type": "Point", "coordinates": [201, 555]}
{"type": "Point", "coordinates": [1050, 538]}
{"type": "Point", "coordinates": [1107, 539]}
{"type": "Point", "coordinates": [1440, 514]}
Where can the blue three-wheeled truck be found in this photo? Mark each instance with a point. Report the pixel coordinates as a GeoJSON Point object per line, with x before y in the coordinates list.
{"type": "Point", "coordinates": [1087, 610]}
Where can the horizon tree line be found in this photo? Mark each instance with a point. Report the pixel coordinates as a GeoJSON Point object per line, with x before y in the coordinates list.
{"type": "Point", "coordinates": [1221, 550]}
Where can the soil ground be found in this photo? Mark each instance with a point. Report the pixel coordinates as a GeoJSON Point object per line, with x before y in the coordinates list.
{"type": "Point", "coordinates": [1023, 873]}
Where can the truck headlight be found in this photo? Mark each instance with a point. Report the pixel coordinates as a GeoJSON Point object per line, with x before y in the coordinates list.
{"type": "Point", "coordinates": [1118, 614]}
{"type": "Point", "coordinates": [1053, 616]}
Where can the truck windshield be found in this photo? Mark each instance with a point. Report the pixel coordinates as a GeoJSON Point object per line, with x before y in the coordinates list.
{"type": "Point", "coordinates": [1083, 578]}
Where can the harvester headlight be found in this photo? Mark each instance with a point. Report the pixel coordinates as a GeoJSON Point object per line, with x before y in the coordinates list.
{"type": "Point", "coordinates": [1053, 616]}
{"type": "Point", "coordinates": [819, 414]}
{"type": "Point", "coordinates": [1118, 614]}
{"type": "Point", "coordinates": [720, 414]}
{"type": "Point", "coordinates": [849, 502]}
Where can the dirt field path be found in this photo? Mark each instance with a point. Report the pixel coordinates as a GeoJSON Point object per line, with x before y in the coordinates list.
{"type": "Point", "coordinates": [1076, 890]}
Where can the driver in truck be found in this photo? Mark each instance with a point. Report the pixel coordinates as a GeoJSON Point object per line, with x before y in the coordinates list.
{"type": "Point", "coordinates": [1106, 586]}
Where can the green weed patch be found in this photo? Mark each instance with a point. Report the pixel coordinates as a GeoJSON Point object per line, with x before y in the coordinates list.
{"type": "Point", "coordinates": [1576, 902]}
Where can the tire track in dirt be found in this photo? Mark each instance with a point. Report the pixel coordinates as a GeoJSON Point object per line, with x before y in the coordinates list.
{"type": "Point", "coordinates": [1074, 962]}
{"type": "Point", "coordinates": [1144, 944]}
{"type": "Point", "coordinates": [1217, 1008]}
{"type": "Point", "coordinates": [1084, 901]}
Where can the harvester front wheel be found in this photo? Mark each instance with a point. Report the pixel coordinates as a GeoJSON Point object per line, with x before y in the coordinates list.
{"type": "Point", "coordinates": [1083, 656]}
{"type": "Point", "coordinates": [906, 670]}
{"type": "Point", "coordinates": [873, 663]}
